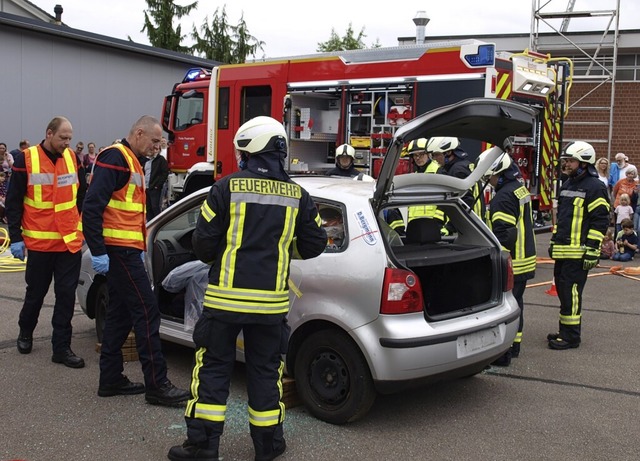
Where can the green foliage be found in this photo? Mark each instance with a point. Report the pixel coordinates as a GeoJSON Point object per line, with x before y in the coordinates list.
{"type": "Point", "coordinates": [158, 22]}
{"type": "Point", "coordinates": [220, 41]}
{"type": "Point", "coordinates": [348, 42]}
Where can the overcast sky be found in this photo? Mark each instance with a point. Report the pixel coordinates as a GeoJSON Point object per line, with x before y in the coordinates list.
{"type": "Point", "coordinates": [296, 27]}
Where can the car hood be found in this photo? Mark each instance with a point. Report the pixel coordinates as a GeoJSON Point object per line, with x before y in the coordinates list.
{"type": "Point", "coordinates": [493, 121]}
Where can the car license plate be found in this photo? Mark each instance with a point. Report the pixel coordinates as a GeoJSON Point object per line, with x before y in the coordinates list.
{"type": "Point", "coordinates": [475, 342]}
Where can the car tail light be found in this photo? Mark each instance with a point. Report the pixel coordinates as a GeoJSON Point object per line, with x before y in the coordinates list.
{"type": "Point", "coordinates": [401, 292]}
{"type": "Point", "coordinates": [507, 272]}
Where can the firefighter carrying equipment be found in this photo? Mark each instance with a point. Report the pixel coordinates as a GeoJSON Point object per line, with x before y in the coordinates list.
{"type": "Point", "coordinates": [123, 218]}
{"type": "Point", "coordinates": [51, 221]}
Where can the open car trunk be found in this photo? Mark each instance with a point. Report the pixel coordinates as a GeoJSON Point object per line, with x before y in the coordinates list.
{"type": "Point", "coordinates": [459, 273]}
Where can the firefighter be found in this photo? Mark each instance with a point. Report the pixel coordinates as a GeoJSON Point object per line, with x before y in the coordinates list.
{"type": "Point", "coordinates": [582, 221]}
{"type": "Point", "coordinates": [250, 225]}
{"type": "Point", "coordinates": [43, 208]}
{"type": "Point", "coordinates": [345, 156]}
{"type": "Point", "coordinates": [511, 220]}
{"type": "Point", "coordinates": [457, 164]}
{"type": "Point", "coordinates": [114, 222]}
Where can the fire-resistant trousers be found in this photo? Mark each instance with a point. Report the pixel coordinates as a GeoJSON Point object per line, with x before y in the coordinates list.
{"type": "Point", "coordinates": [64, 268]}
{"type": "Point", "coordinates": [570, 279]}
{"type": "Point", "coordinates": [518, 293]}
{"type": "Point", "coordinates": [213, 364]}
{"type": "Point", "coordinates": [131, 303]}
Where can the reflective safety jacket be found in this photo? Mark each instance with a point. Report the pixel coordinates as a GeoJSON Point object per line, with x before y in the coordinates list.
{"type": "Point", "coordinates": [50, 220]}
{"type": "Point", "coordinates": [582, 217]}
{"type": "Point", "coordinates": [124, 216]}
{"type": "Point", "coordinates": [249, 227]}
{"type": "Point", "coordinates": [511, 221]}
{"type": "Point", "coordinates": [426, 211]}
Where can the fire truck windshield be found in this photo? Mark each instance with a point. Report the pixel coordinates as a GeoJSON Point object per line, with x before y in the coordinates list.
{"type": "Point", "coordinates": [189, 110]}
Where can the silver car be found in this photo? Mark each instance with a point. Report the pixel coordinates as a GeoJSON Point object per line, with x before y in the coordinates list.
{"type": "Point", "coordinates": [378, 311]}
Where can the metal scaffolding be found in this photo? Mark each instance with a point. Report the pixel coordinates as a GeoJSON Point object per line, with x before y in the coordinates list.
{"type": "Point", "coordinates": [595, 60]}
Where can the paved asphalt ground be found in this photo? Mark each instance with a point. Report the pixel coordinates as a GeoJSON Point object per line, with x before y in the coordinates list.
{"type": "Point", "coordinates": [581, 404]}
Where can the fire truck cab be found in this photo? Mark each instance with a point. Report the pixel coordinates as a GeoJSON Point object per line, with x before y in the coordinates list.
{"type": "Point", "coordinates": [358, 97]}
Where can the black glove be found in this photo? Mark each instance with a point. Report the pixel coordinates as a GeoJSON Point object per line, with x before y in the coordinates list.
{"type": "Point", "coordinates": [590, 259]}
{"type": "Point", "coordinates": [550, 250]}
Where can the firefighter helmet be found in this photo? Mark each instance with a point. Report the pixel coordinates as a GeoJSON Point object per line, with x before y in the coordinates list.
{"type": "Point", "coordinates": [499, 165]}
{"type": "Point", "coordinates": [417, 145]}
{"type": "Point", "coordinates": [345, 149]}
{"type": "Point", "coordinates": [442, 144]}
{"type": "Point", "coordinates": [581, 151]}
{"type": "Point", "coordinates": [259, 135]}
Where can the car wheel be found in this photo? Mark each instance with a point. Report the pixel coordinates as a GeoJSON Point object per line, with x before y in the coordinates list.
{"type": "Point", "coordinates": [333, 378]}
{"type": "Point", "coordinates": [102, 301]}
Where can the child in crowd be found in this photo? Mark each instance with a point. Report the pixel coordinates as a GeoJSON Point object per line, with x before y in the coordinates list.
{"type": "Point", "coordinates": [623, 211]}
{"type": "Point", "coordinates": [626, 243]}
{"type": "Point", "coordinates": [608, 247]}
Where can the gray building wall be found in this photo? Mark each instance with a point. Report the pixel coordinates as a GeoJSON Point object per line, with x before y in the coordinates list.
{"type": "Point", "coordinates": [101, 84]}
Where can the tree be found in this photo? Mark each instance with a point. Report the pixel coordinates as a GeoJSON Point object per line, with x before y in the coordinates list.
{"type": "Point", "coordinates": [158, 22]}
{"type": "Point", "coordinates": [348, 42]}
{"type": "Point", "coordinates": [220, 41]}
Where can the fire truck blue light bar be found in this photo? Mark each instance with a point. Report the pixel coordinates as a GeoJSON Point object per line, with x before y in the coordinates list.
{"type": "Point", "coordinates": [484, 57]}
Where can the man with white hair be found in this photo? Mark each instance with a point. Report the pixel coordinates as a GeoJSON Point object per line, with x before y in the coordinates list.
{"type": "Point", "coordinates": [618, 169]}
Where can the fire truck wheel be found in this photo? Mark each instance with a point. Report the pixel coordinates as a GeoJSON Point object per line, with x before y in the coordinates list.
{"type": "Point", "coordinates": [333, 378]}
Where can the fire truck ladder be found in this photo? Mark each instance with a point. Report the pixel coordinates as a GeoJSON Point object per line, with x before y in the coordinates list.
{"type": "Point", "coordinates": [595, 64]}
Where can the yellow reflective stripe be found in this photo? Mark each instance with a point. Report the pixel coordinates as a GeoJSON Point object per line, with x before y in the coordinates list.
{"type": "Point", "coordinates": [126, 206]}
{"type": "Point", "coordinates": [65, 206]}
{"type": "Point", "coordinates": [595, 235]}
{"type": "Point", "coordinates": [284, 242]}
{"type": "Point", "coordinates": [71, 168]}
{"type": "Point", "coordinates": [70, 237]}
{"type": "Point", "coordinates": [264, 418]}
{"type": "Point", "coordinates": [570, 319]}
{"type": "Point", "coordinates": [501, 216]}
{"type": "Point", "coordinates": [195, 381]}
{"type": "Point", "coordinates": [42, 234]}
{"type": "Point", "coordinates": [35, 169]}
{"type": "Point", "coordinates": [210, 412]}
{"type": "Point", "coordinates": [576, 222]}
{"type": "Point", "coordinates": [246, 307]}
{"type": "Point", "coordinates": [567, 252]}
{"type": "Point", "coordinates": [39, 204]}
{"type": "Point", "coordinates": [318, 220]}
{"type": "Point", "coordinates": [122, 234]}
{"type": "Point", "coordinates": [247, 294]}
{"type": "Point", "coordinates": [596, 203]}
{"type": "Point", "coordinates": [235, 231]}
{"type": "Point", "coordinates": [524, 265]}
{"type": "Point", "coordinates": [207, 213]}
{"type": "Point", "coordinates": [518, 338]}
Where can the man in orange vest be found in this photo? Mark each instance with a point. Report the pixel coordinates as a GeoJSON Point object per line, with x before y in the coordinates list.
{"type": "Point", "coordinates": [115, 230]}
{"type": "Point", "coordinates": [44, 202]}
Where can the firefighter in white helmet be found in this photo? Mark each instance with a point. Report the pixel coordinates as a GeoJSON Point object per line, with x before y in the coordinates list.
{"type": "Point", "coordinates": [456, 163]}
{"type": "Point", "coordinates": [345, 156]}
{"type": "Point", "coordinates": [582, 221]}
{"type": "Point", "coordinates": [262, 218]}
{"type": "Point", "coordinates": [511, 220]}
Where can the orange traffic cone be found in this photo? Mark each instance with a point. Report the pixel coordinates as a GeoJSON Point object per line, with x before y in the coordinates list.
{"type": "Point", "coordinates": [552, 291]}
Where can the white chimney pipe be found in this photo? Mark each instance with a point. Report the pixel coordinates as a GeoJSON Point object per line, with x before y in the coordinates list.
{"type": "Point", "coordinates": [421, 20]}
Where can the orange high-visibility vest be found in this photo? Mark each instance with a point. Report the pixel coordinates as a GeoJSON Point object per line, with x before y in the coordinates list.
{"type": "Point", "coordinates": [51, 221]}
{"type": "Point", "coordinates": [124, 216]}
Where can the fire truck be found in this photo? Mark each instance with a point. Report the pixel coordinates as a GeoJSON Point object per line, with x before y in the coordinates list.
{"type": "Point", "coordinates": [360, 97]}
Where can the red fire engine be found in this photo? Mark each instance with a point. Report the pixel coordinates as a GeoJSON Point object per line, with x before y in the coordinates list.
{"type": "Point", "coordinates": [359, 97]}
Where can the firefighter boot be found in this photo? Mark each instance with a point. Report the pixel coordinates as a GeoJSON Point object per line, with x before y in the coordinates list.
{"type": "Point", "coordinates": [189, 451]}
{"type": "Point", "coordinates": [561, 344]}
{"type": "Point", "coordinates": [25, 342]}
{"type": "Point", "coordinates": [515, 350]}
{"type": "Point", "coordinates": [268, 442]}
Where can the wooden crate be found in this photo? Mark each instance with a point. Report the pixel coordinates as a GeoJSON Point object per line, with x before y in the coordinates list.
{"type": "Point", "coordinates": [129, 351]}
{"type": "Point", "coordinates": [289, 394]}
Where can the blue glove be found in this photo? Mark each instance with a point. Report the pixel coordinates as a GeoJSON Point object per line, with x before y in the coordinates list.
{"type": "Point", "coordinates": [17, 250]}
{"type": "Point", "coordinates": [142, 254]}
{"type": "Point", "coordinates": [100, 264]}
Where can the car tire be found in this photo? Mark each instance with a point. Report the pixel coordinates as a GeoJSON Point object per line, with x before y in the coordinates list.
{"type": "Point", "coordinates": [333, 378]}
{"type": "Point", "coordinates": [102, 301]}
